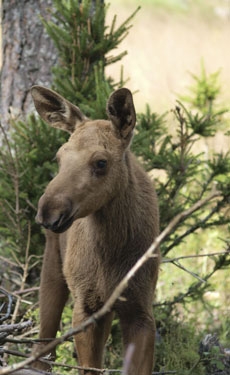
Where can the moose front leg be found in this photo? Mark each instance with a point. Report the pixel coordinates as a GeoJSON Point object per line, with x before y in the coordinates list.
{"type": "Point", "coordinates": [139, 331]}
{"type": "Point", "coordinates": [90, 343]}
{"type": "Point", "coordinates": [53, 294]}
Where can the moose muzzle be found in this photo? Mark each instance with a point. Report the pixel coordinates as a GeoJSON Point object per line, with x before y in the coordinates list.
{"type": "Point", "coordinates": [55, 212]}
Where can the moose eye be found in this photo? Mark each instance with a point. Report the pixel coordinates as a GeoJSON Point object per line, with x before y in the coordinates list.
{"type": "Point", "coordinates": [100, 167]}
{"type": "Point", "coordinates": [101, 164]}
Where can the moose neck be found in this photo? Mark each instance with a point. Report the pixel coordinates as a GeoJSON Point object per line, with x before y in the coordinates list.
{"type": "Point", "coordinates": [117, 220]}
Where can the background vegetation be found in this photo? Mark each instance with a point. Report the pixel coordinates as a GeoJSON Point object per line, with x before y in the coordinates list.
{"type": "Point", "coordinates": [192, 298]}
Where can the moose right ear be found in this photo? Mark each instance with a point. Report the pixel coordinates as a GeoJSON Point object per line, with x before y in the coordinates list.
{"type": "Point", "coordinates": [121, 111]}
{"type": "Point", "coordinates": [55, 110]}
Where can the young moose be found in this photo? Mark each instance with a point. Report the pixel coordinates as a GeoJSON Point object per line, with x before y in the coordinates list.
{"type": "Point", "coordinates": [101, 215]}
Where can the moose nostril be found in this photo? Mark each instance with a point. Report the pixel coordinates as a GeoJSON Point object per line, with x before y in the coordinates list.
{"type": "Point", "coordinates": [53, 224]}
{"type": "Point", "coordinates": [57, 222]}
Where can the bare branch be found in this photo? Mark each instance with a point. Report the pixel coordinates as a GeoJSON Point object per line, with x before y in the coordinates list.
{"type": "Point", "coordinates": [9, 305]}
{"type": "Point", "coordinates": [103, 371]}
{"type": "Point", "coordinates": [128, 358]}
{"type": "Point", "coordinates": [193, 287]}
{"type": "Point", "coordinates": [24, 276]}
{"type": "Point", "coordinates": [9, 328]}
{"type": "Point", "coordinates": [30, 372]}
{"type": "Point", "coordinates": [25, 291]}
{"type": "Point", "coordinates": [176, 262]}
{"type": "Point", "coordinates": [171, 260]}
{"type": "Point", "coordinates": [197, 225]}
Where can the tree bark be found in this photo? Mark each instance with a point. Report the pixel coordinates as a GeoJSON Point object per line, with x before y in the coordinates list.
{"type": "Point", "coordinates": [28, 55]}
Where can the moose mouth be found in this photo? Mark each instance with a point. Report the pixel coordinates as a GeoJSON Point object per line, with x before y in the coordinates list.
{"type": "Point", "coordinates": [62, 226]}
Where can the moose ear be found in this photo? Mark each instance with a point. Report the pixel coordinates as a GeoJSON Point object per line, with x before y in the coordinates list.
{"type": "Point", "coordinates": [56, 110]}
{"type": "Point", "coordinates": [121, 111]}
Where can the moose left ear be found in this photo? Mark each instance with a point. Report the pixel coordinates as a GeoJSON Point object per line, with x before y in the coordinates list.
{"type": "Point", "coordinates": [55, 110]}
{"type": "Point", "coordinates": [121, 111]}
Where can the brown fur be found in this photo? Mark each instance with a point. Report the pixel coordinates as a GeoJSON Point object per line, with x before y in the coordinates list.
{"type": "Point", "coordinates": [101, 215]}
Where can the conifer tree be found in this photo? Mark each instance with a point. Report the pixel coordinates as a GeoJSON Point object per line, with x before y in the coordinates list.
{"type": "Point", "coordinates": [83, 41]}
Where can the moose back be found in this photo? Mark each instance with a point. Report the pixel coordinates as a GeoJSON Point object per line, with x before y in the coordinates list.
{"type": "Point", "coordinates": [101, 214]}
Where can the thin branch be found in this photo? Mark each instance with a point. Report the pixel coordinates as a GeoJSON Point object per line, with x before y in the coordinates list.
{"type": "Point", "coordinates": [31, 205]}
{"type": "Point", "coordinates": [190, 291]}
{"type": "Point", "coordinates": [9, 261]}
{"type": "Point", "coordinates": [26, 341]}
{"type": "Point", "coordinates": [176, 262]}
{"type": "Point", "coordinates": [117, 292]}
{"type": "Point", "coordinates": [57, 364]}
{"type": "Point", "coordinates": [104, 371]}
{"type": "Point", "coordinates": [8, 212]}
{"type": "Point", "coordinates": [196, 226]}
{"type": "Point", "coordinates": [9, 328]}
{"type": "Point", "coordinates": [171, 260]}
{"type": "Point", "coordinates": [9, 305]}
{"type": "Point", "coordinates": [30, 372]}
{"type": "Point", "coordinates": [25, 291]}
{"type": "Point", "coordinates": [128, 358]}
{"type": "Point", "coordinates": [24, 276]}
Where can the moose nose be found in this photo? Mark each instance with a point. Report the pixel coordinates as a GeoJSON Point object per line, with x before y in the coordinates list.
{"type": "Point", "coordinates": [54, 213]}
{"type": "Point", "coordinates": [53, 225]}
{"type": "Point", "coordinates": [48, 223]}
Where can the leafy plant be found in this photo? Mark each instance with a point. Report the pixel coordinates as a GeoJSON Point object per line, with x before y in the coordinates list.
{"type": "Point", "coordinates": [176, 346]}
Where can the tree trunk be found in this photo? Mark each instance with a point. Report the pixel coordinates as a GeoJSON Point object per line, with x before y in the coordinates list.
{"type": "Point", "coordinates": [28, 55]}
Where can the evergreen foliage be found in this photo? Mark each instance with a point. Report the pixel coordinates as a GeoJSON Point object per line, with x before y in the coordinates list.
{"type": "Point", "coordinates": [83, 42]}
{"type": "Point", "coordinates": [26, 164]}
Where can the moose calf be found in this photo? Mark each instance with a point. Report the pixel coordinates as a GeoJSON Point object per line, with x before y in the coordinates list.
{"type": "Point", "coordinates": [101, 215]}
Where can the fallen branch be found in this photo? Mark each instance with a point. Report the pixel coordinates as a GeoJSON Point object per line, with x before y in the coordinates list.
{"type": "Point", "coordinates": [117, 292]}
{"type": "Point", "coordinates": [10, 328]}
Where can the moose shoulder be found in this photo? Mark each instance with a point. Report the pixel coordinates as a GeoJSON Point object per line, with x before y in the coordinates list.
{"type": "Point", "coordinates": [101, 215]}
